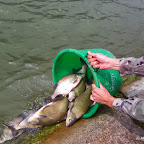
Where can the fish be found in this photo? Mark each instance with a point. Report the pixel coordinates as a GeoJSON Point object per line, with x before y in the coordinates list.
{"type": "Point", "coordinates": [16, 127]}
{"type": "Point", "coordinates": [77, 91]}
{"type": "Point", "coordinates": [27, 125]}
{"type": "Point", "coordinates": [82, 70]}
{"type": "Point", "coordinates": [10, 130]}
{"type": "Point", "coordinates": [8, 134]}
{"type": "Point", "coordinates": [80, 106]}
{"type": "Point", "coordinates": [21, 121]}
{"type": "Point", "coordinates": [52, 113]}
{"type": "Point", "coordinates": [65, 85]}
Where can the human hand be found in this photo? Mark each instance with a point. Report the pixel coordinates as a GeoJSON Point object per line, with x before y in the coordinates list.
{"type": "Point", "coordinates": [101, 95]}
{"type": "Point", "coordinates": [98, 60]}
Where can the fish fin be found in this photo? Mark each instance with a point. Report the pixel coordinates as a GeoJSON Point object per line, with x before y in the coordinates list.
{"type": "Point", "coordinates": [42, 116]}
{"type": "Point", "coordinates": [45, 101]}
{"type": "Point", "coordinates": [57, 97]}
{"type": "Point", "coordinates": [49, 99]}
{"type": "Point", "coordinates": [14, 132]}
{"type": "Point", "coordinates": [18, 119]}
{"type": "Point", "coordinates": [23, 116]}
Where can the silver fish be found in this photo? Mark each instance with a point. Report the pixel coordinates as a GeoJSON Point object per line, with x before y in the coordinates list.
{"type": "Point", "coordinates": [80, 106]}
{"type": "Point", "coordinates": [82, 70]}
{"type": "Point", "coordinates": [27, 125]}
{"type": "Point", "coordinates": [51, 113]}
{"type": "Point", "coordinates": [8, 134]}
{"type": "Point", "coordinates": [77, 91]}
{"type": "Point", "coordinates": [10, 130]}
{"type": "Point", "coordinates": [66, 85]}
{"type": "Point", "coordinates": [16, 127]}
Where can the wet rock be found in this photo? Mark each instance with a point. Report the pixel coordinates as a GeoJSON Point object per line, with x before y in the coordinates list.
{"type": "Point", "coordinates": [107, 126]}
{"type": "Point", "coordinates": [134, 88]}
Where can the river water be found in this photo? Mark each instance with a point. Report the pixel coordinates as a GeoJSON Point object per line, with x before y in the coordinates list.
{"type": "Point", "coordinates": [32, 32]}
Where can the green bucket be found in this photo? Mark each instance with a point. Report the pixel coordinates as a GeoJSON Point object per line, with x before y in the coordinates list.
{"type": "Point", "coordinates": [68, 59]}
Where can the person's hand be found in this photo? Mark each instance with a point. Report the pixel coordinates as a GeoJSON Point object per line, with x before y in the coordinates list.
{"type": "Point", "coordinates": [98, 60]}
{"type": "Point", "coordinates": [101, 95]}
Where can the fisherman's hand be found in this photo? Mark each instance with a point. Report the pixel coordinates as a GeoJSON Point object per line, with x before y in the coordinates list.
{"type": "Point", "coordinates": [101, 95]}
{"type": "Point", "coordinates": [98, 60]}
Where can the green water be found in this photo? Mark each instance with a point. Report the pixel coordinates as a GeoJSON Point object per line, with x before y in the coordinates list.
{"type": "Point", "coordinates": [32, 32]}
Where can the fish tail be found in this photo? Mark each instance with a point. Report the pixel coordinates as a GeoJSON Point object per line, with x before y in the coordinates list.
{"type": "Point", "coordinates": [14, 131]}
{"type": "Point", "coordinates": [52, 97]}
{"type": "Point", "coordinates": [57, 97]}
{"type": "Point", "coordinates": [48, 99]}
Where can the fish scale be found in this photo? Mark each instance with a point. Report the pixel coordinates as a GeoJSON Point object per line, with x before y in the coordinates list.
{"type": "Point", "coordinates": [66, 85]}
{"type": "Point", "coordinates": [80, 106]}
{"type": "Point", "coordinates": [52, 113]}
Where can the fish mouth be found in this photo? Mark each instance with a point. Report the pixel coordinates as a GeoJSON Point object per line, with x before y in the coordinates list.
{"type": "Point", "coordinates": [70, 122]}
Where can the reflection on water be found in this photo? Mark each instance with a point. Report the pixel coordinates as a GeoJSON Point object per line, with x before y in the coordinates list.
{"type": "Point", "coordinates": [33, 32]}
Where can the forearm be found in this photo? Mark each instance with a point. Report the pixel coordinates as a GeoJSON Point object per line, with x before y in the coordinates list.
{"type": "Point", "coordinates": [133, 107]}
{"type": "Point", "coordinates": [114, 64]}
{"type": "Point", "coordinates": [131, 66]}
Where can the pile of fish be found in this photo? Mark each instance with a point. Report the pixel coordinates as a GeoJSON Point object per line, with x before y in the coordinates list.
{"type": "Point", "coordinates": [70, 100]}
